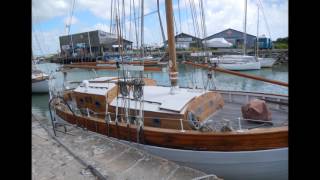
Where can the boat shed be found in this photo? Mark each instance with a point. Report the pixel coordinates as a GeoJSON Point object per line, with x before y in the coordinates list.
{"type": "Point", "coordinates": [186, 41]}
{"type": "Point", "coordinates": [235, 37]}
{"type": "Point", "coordinates": [98, 40]}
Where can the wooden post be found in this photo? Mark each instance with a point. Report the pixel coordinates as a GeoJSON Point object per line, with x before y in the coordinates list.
{"type": "Point", "coordinates": [171, 45]}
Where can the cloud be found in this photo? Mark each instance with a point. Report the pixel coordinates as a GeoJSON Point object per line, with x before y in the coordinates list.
{"type": "Point", "coordinates": [73, 21]}
{"type": "Point", "coordinates": [46, 10]}
{"type": "Point", "coordinates": [46, 42]}
{"type": "Point", "coordinates": [219, 16]}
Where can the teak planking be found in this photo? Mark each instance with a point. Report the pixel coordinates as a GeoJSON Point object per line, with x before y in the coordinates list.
{"type": "Point", "coordinates": [259, 139]}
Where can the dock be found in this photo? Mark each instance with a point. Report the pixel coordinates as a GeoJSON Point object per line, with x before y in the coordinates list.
{"type": "Point", "coordinates": [81, 154]}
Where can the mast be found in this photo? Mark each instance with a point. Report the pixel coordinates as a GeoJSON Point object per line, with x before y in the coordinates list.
{"type": "Point", "coordinates": [245, 29]}
{"type": "Point", "coordinates": [257, 44]}
{"type": "Point", "coordinates": [162, 33]}
{"type": "Point", "coordinates": [173, 75]}
{"type": "Point", "coordinates": [142, 19]}
{"type": "Point", "coordinates": [89, 44]}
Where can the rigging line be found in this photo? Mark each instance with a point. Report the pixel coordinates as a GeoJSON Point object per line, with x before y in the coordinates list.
{"type": "Point", "coordinates": [123, 26]}
{"type": "Point", "coordinates": [175, 24]}
{"type": "Point", "coordinates": [179, 15]}
{"type": "Point", "coordinates": [193, 24]}
{"type": "Point", "coordinates": [187, 17]}
{"type": "Point", "coordinates": [69, 26]}
{"type": "Point", "coordinates": [123, 20]}
{"type": "Point", "coordinates": [139, 9]}
{"type": "Point", "coordinates": [43, 37]}
{"type": "Point", "coordinates": [129, 35]}
{"type": "Point", "coordinates": [35, 36]}
{"type": "Point", "coordinates": [265, 19]}
{"type": "Point", "coordinates": [162, 32]}
{"type": "Point", "coordinates": [111, 16]}
{"type": "Point", "coordinates": [203, 25]}
{"type": "Point", "coordinates": [135, 23]}
{"type": "Point", "coordinates": [195, 18]}
{"type": "Point", "coordinates": [142, 28]}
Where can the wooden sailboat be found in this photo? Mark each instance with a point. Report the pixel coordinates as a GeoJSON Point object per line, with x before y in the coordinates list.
{"type": "Point", "coordinates": [184, 125]}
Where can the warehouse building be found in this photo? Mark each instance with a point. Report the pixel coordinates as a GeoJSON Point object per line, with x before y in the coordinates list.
{"type": "Point", "coordinates": [186, 41]}
{"type": "Point", "coordinates": [93, 43]}
{"type": "Point", "coordinates": [235, 37]}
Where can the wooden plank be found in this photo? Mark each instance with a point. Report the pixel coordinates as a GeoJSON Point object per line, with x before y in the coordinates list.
{"type": "Point", "coordinates": [258, 139]}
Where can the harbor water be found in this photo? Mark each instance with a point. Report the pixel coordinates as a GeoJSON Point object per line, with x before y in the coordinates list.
{"type": "Point", "coordinates": [188, 77]}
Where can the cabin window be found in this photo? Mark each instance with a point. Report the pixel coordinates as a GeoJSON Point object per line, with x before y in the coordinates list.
{"type": "Point", "coordinates": [132, 119]}
{"type": "Point", "coordinates": [81, 101]}
{"type": "Point", "coordinates": [98, 104]}
{"type": "Point", "coordinates": [156, 122]}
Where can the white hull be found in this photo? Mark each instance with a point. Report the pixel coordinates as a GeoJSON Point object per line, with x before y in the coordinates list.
{"type": "Point", "coordinates": [40, 87]}
{"type": "Point", "coordinates": [263, 164]}
{"type": "Point", "coordinates": [241, 66]}
{"type": "Point", "coordinates": [267, 62]}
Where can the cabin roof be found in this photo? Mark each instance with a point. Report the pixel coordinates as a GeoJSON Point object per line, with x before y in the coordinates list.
{"type": "Point", "coordinates": [158, 98]}
{"type": "Point", "coordinates": [95, 88]}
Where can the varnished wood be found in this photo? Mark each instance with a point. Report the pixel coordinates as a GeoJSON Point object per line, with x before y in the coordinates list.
{"type": "Point", "coordinates": [257, 139]}
{"type": "Point", "coordinates": [239, 74]}
{"type": "Point", "coordinates": [205, 105]}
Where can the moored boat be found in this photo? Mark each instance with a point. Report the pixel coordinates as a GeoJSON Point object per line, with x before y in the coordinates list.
{"type": "Point", "coordinates": [199, 128]}
{"type": "Point", "coordinates": [40, 82]}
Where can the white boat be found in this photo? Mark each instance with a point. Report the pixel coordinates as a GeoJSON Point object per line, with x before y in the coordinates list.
{"type": "Point", "coordinates": [267, 62]}
{"type": "Point", "coordinates": [146, 58]}
{"type": "Point", "coordinates": [241, 66]}
{"type": "Point", "coordinates": [237, 62]}
{"type": "Point", "coordinates": [40, 82]}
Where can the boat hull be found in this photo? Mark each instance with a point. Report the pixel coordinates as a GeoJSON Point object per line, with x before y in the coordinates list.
{"type": "Point", "coordinates": [41, 86]}
{"type": "Point", "coordinates": [241, 66]}
{"type": "Point", "coordinates": [263, 164]}
{"type": "Point", "coordinates": [267, 62]}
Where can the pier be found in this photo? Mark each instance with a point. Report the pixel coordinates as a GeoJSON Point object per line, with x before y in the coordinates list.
{"type": "Point", "coordinates": [81, 154]}
{"type": "Point", "coordinates": [281, 55]}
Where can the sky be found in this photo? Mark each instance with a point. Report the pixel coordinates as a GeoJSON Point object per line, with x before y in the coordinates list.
{"type": "Point", "coordinates": [50, 17]}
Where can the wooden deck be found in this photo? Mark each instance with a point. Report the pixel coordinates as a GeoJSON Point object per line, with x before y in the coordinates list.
{"type": "Point", "coordinates": [232, 111]}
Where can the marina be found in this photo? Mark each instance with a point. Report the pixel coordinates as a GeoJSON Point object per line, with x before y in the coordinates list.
{"type": "Point", "coordinates": [196, 106]}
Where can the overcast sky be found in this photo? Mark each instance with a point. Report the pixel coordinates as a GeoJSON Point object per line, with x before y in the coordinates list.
{"type": "Point", "coordinates": [49, 19]}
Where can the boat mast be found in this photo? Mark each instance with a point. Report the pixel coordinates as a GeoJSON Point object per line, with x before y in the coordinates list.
{"type": "Point", "coordinates": [162, 33]}
{"type": "Point", "coordinates": [257, 44]}
{"type": "Point", "coordinates": [89, 44]}
{"type": "Point", "coordinates": [142, 38]}
{"type": "Point", "coordinates": [173, 74]}
{"type": "Point", "coordinates": [245, 28]}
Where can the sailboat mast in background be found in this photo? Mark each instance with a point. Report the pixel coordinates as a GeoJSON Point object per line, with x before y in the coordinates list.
{"type": "Point", "coordinates": [173, 74]}
{"type": "Point", "coordinates": [245, 28]}
{"type": "Point", "coordinates": [257, 44]}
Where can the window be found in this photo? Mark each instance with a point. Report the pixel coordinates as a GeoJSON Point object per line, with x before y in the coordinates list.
{"type": "Point", "coordinates": [156, 122]}
{"type": "Point", "coordinates": [98, 104]}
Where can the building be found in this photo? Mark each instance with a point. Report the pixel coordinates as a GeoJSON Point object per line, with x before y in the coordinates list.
{"type": "Point", "coordinates": [186, 41]}
{"type": "Point", "coordinates": [235, 37]}
{"type": "Point", "coordinates": [98, 41]}
{"type": "Point", "coordinates": [264, 42]}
